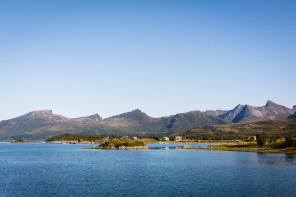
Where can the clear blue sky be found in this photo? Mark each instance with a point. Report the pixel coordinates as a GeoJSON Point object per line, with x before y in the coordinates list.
{"type": "Point", "coordinates": [81, 57]}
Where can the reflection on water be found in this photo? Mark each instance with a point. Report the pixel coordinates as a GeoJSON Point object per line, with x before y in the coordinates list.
{"type": "Point", "coordinates": [162, 148]}
{"type": "Point", "coordinates": [290, 158]}
{"type": "Point", "coordinates": [254, 158]}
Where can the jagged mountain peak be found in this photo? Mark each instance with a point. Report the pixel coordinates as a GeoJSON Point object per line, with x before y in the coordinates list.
{"type": "Point", "coordinates": [136, 111]}
{"type": "Point", "coordinates": [238, 106]}
{"type": "Point", "coordinates": [248, 113]}
{"type": "Point", "coordinates": [135, 115]}
{"type": "Point", "coordinates": [98, 116]}
{"type": "Point", "coordinates": [270, 103]}
{"type": "Point", "coordinates": [294, 107]}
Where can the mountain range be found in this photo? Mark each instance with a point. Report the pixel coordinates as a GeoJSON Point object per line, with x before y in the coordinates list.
{"type": "Point", "coordinates": [247, 113]}
{"type": "Point", "coordinates": [39, 125]}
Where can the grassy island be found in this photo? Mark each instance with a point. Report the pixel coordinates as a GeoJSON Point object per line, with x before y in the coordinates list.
{"type": "Point", "coordinates": [122, 145]}
{"type": "Point", "coordinates": [18, 141]}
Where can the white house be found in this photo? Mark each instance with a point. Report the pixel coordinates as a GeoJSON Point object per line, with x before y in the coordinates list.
{"type": "Point", "coordinates": [166, 139]}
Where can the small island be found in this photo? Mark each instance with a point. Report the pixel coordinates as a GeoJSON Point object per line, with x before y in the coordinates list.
{"type": "Point", "coordinates": [122, 145]}
{"type": "Point", "coordinates": [18, 141]}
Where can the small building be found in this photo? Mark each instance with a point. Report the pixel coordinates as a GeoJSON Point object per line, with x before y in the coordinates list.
{"type": "Point", "coordinates": [166, 139]}
{"type": "Point", "coordinates": [252, 138]}
{"type": "Point", "coordinates": [237, 140]}
{"type": "Point", "coordinates": [81, 140]}
{"type": "Point", "coordinates": [135, 138]}
{"type": "Point", "coordinates": [178, 138]}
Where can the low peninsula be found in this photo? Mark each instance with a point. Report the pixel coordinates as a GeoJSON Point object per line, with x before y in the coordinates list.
{"type": "Point", "coordinates": [287, 146]}
{"type": "Point", "coordinates": [122, 145]}
{"type": "Point", "coordinates": [18, 141]}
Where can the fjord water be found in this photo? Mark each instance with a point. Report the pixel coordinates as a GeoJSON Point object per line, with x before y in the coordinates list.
{"type": "Point", "coordinates": [35, 169]}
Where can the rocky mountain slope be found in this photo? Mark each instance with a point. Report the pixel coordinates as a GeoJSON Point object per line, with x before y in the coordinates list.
{"type": "Point", "coordinates": [95, 117]}
{"type": "Point", "coordinates": [215, 112]}
{"type": "Point", "coordinates": [292, 116]}
{"type": "Point", "coordinates": [39, 125]}
{"type": "Point", "coordinates": [247, 113]}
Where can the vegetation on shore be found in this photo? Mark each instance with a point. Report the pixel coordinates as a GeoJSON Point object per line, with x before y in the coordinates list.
{"type": "Point", "coordinates": [274, 128]}
{"type": "Point", "coordinates": [122, 144]}
{"type": "Point", "coordinates": [18, 141]}
{"type": "Point", "coordinates": [144, 139]}
{"type": "Point", "coordinates": [76, 137]}
{"type": "Point", "coordinates": [280, 145]}
{"type": "Point", "coordinates": [264, 143]}
{"type": "Point", "coordinates": [119, 143]}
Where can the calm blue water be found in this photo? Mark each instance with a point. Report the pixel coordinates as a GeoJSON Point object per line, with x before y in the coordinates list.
{"type": "Point", "coordinates": [67, 170]}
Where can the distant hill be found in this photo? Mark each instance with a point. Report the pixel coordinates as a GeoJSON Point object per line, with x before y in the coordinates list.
{"type": "Point", "coordinates": [40, 125]}
{"type": "Point", "coordinates": [274, 128]}
{"type": "Point", "coordinates": [247, 113]}
{"type": "Point", "coordinates": [135, 115]}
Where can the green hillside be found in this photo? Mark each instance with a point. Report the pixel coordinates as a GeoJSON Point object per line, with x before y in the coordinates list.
{"type": "Point", "coordinates": [274, 128]}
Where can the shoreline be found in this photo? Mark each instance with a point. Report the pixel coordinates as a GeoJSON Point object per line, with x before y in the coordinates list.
{"type": "Point", "coordinates": [222, 147]}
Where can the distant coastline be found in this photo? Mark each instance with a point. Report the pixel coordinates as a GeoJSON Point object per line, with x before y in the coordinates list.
{"type": "Point", "coordinates": [242, 147]}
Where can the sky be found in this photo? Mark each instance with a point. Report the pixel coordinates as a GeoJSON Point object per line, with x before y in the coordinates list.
{"type": "Point", "coordinates": [163, 57]}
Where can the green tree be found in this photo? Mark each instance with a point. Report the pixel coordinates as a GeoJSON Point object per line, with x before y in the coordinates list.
{"type": "Point", "coordinates": [290, 141]}
{"type": "Point", "coordinates": [261, 138]}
